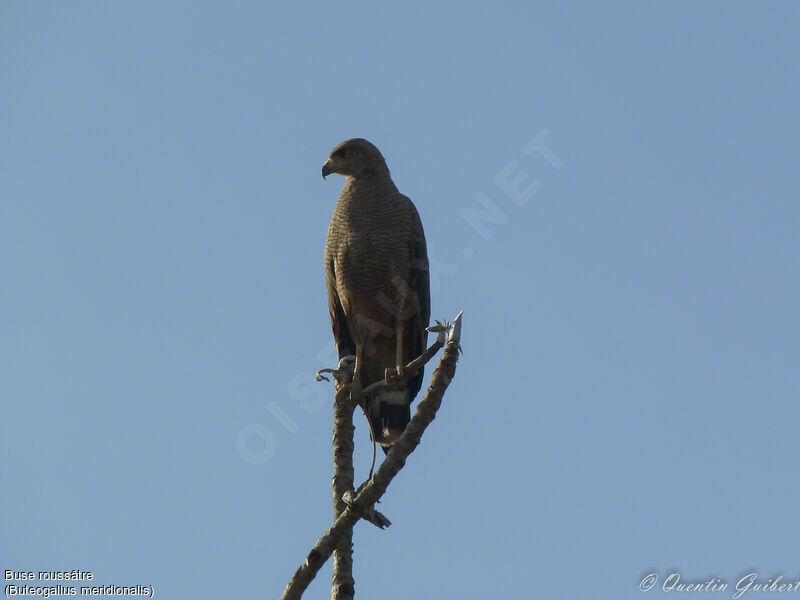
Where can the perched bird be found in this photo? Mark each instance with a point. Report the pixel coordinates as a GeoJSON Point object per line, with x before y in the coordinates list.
{"type": "Point", "coordinates": [376, 268]}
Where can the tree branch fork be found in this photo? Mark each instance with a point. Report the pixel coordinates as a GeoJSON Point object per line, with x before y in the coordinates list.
{"type": "Point", "coordinates": [351, 506]}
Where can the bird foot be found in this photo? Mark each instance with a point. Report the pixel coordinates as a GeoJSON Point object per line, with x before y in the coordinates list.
{"type": "Point", "coordinates": [343, 375]}
{"type": "Point", "coordinates": [395, 375]}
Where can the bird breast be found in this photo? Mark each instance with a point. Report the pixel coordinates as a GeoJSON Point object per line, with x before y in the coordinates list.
{"type": "Point", "coordinates": [370, 248]}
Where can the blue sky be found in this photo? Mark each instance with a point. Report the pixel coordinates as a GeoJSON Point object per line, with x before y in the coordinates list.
{"type": "Point", "coordinates": [627, 399]}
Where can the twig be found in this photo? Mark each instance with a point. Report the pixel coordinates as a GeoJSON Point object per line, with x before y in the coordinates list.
{"type": "Point", "coordinates": [395, 460]}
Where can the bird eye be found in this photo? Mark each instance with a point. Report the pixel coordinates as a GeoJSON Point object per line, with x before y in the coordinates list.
{"type": "Point", "coordinates": [341, 152]}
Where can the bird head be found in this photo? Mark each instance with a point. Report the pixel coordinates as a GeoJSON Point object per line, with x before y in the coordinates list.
{"type": "Point", "coordinates": [353, 158]}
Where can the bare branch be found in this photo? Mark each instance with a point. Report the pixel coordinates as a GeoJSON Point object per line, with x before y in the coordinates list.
{"type": "Point", "coordinates": [395, 460]}
{"type": "Point", "coordinates": [343, 585]}
{"type": "Point", "coordinates": [373, 516]}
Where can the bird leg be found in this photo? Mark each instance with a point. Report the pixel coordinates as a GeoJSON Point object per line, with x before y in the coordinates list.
{"type": "Point", "coordinates": [355, 384]}
{"type": "Point", "coordinates": [398, 373]}
{"type": "Point", "coordinates": [401, 365]}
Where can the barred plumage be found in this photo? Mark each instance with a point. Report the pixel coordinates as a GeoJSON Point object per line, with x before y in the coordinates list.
{"type": "Point", "coordinates": [376, 268]}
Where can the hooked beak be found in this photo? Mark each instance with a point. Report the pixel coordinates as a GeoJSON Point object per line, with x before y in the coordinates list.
{"type": "Point", "coordinates": [326, 169]}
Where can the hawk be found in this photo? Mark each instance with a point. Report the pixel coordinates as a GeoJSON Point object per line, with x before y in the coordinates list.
{"type": "Point", "coordinates": [376, 270]}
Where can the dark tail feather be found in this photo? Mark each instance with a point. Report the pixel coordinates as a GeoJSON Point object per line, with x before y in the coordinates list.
{"type": "Point", "coordinates": [390, 423]}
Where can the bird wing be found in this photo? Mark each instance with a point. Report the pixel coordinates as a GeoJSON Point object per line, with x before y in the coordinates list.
{"type": "Point", "coordinates": [345, 345]}
{"type": "Point", "coordinates": [416, 333]}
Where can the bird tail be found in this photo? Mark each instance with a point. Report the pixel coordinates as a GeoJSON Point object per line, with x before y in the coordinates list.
{"type": "Point", "coordinates": [390, 412]}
